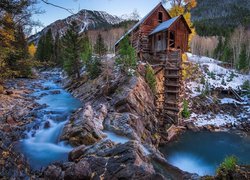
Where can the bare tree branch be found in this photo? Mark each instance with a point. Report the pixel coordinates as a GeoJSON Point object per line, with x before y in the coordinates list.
{"type": "Point", "coordinates": [66, 9]}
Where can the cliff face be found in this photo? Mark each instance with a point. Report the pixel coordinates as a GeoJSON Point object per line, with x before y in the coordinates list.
{"type": "Point", "coordinates": [123, 105]}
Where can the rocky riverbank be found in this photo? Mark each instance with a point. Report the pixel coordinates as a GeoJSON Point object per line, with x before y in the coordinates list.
{"type": "Point", "coordinates": [17, 110]}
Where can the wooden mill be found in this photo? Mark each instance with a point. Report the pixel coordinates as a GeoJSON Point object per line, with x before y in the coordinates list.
{"type": "Point", "coordinates": [160, 40]}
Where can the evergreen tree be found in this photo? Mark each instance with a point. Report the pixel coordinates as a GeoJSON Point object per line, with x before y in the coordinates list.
{"type": "Point", "coordinates": [45, 47]}
{"type": "Point", "coordinates": [100, 47]}
{"type": "Point", "coordinates": [72, 48]}
{"type": "Point", "coordinates": [48, 45]}
{"type": "Point", "coordinates": [58, 51]}
{"type": "Point", "coordinates": [93, 65]}
{"type": "Point", "coordinates": [243, 65]}
{"type": "Point", "coordinates": [150, 78]}
{"type": "Point", "coordinates": [127, 56]}
{"type": "Point", "coordinates": [86, 50]}
{"type": "Point", "coordinates": [218, 49]}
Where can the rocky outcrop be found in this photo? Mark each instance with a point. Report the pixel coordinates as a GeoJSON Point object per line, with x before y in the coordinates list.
{"type": "Point", "coordinates": [105, 160]}
{"type": "Point", "coordinates": [85, 127]}
{"type": "Point", "coordinates": [134, 114]}
{"type": "Point", "coordinates": [130, 109]}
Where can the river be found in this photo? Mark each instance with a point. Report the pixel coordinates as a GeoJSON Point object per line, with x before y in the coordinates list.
{"type": "Point", "coordinates": [202, 152]}
{"type": "Point", "coordinates": [42, 145]}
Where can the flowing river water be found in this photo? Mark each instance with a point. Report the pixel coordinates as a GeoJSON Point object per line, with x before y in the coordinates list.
{"type": "Point", "coordinates": [42, 145]}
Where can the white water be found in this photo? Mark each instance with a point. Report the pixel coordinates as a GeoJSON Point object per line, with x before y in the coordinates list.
{"type": "Point", "coordinates": [42, 145]}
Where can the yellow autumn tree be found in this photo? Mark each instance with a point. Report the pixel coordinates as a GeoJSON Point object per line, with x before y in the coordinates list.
{"type": "Point", "coordinates": [32, 50]}
{"type": "Point", "coordinates": [183, 7]}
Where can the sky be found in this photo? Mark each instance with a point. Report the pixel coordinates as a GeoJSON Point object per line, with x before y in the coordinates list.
{"type": "Point", "coordinates": [114, 7]}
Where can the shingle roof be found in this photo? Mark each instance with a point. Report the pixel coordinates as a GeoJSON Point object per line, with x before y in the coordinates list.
{"type": "Point", "coordinates": [164, 25]}
{"type": "Point", "coordinates": [139, 23]}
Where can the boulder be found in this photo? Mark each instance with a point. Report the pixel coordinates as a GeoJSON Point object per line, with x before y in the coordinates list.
{"type": "Point", "coordinates": [80, 170]}
{"type": "Point", "coordinates": [53, 172]}
{"type": "Point", "coordinates": [47, 125]}
{"type": "Point", "coordinates": [106, 160]}
{"type": "Point", "coordinates": [76, 153]}
{"type": "Point", "coordinates": [84, 127]}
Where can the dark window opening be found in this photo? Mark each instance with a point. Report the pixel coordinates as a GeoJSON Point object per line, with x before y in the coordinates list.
{"type": "Point", "coordinates": [160, 17]}
{"type": "Point", "coordinates": [172, 39]}
{"type": "Point", "coordinates": [159, 37]}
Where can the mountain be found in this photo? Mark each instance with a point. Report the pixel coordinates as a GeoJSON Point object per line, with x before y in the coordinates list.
{"type": "Point", "coordinates": [86, 20]}
{"type": "Point", "coordinates": [218, 17]}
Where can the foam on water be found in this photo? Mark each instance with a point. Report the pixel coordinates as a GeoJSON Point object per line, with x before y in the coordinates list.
{"type": "Point", "coordinates": [44, 146]}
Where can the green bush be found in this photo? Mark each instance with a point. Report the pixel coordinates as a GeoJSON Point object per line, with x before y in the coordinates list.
{"type": "Point", "coordinates": [203, 81]}
{"type": "Point", "coordinates": [232, 75]}
{"type": "Point", "coordinates": [150, 78]}
{"type": "Point", "coordinates": [246, 86]}
{"type": "Point", "coordinates": [94, 68]}
{"type": "Point", "coordinates": [185, 112]}
{"type": "Point", "coordinates": [127, 56]}
{"type": "Point", "coordinates": [223, 82]}
{"type": "Point", "coordinates": [229, 164]}
{"type": "Point", "coordinates": [211, 75]}
{"type": "Point", "coordinates": [205, 90]}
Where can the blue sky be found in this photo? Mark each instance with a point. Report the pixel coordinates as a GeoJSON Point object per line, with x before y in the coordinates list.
{"type": "Point", "coordinates": [114, 7]}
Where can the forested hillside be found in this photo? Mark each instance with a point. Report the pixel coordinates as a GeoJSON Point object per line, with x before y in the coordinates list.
{"type": "Point", "coordinates": [218, 17]}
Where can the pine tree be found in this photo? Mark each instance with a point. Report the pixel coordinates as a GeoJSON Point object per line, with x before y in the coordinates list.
{"type": "Point", "coordinates": [243, 65]}
{"type": "Point", "coordinates": [100, 47]}
{"type": "Point", "coordinates": [218, 50]}
{"type": "Point", "coordinates": [127, 56]}
{"type": "Point", "coordinates": [93, 65]}
{"type": "Point", "coordinates": [48, 56]}
{"type": "Point", "coordinates": [150, 78]}
{"type": "Point", "coordinates": [58, 51]}
{"type": "Point", "coordinates": [72, 48]}
{"type": "Point", "coordinates": [40, 54]}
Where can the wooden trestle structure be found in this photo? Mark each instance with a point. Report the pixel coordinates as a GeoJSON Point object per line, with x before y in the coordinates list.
{"type": "Point", "coordinates": [170, 86]}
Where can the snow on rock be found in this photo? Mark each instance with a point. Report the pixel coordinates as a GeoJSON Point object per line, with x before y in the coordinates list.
{"type": "Point", "coordinates": [215, 120]}
{"type": "Point", "coordinates": [230, 101]}
{"type": "Point", "coordinates": [215, 75]}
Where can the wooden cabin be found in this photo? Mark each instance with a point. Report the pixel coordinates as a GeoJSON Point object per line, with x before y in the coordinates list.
{"type": "Point", "coordinates": [156, 33]}
{"type": "Point", "coordinates": [160, 40]}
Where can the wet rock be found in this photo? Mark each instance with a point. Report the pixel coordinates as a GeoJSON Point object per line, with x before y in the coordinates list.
{"type": "Point", "coordinates": [105, 160]}
{"type": "Point", "coordinates": [192, 127]}
{"type": "Point", "coordinates": [84, 128]}
{"type": "Point", "coordinates": [47, 125]}
{"type": "Point", "coordinates": [76, 153]}
{"type": "Point", "coordinates": [43, 94]}
{"type": "Point", "coordinates": [53, 172]}
{"type": "Point", "coordinates": [80, 170]}
{"type": "Point", "coordinates": [55, 92]}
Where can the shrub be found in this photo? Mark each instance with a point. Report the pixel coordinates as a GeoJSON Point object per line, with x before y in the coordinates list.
{"type": "Point", "coordinates": [223, 82]}
{"type": "Point", "coordinates": [232, 75]}
{"type": "Point", "coordinates": [246, 86]}
{"type": "Point", "coordinates": [203, 81]}
{"type": "Point", "coordinates": [211, 75]}
{"type": "Point", "coordinates": [127, 56]}
{"type": "Point", "coordinates": [206, 90]}
{"type": "Point", "coordinates": [150, 78]}
{"type": "Point", "coordinates": [229, 164]}
{"type": "Point", "coordinates": [94, 68]}
{"type": "Point", "coordinates": [185, 112]}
